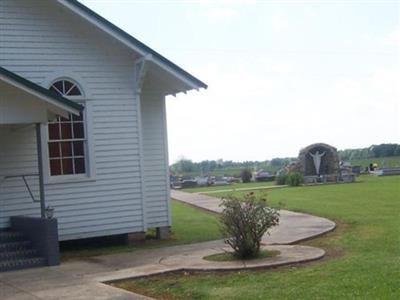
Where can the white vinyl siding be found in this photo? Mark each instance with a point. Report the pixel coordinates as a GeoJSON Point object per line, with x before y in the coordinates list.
{"type": "Point", "coordinates": [18, 155]}
{"type": "Point", "coordinates": [156, 177]}
{"type": "Point", "coordinates": [40, 43]}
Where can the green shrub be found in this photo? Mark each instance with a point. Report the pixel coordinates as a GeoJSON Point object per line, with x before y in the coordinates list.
{"type": "Point", "coordinates": [244, 221]}
{"type": "Point", "coordinates": [294, 179]}
{"type": "Point", "coordinates": [281, 179]}
{"type": "Point", "coordinates": [246, 175]}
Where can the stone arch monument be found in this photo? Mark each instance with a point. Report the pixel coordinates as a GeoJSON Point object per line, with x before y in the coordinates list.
{"type": "Point", "coordinates": [318, 160]}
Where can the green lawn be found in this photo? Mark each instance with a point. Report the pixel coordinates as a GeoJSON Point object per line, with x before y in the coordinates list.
{"type": "Point", "coordinates": [232, 187]}
{"type": "Point", "coordinates": [189, 225]}
{"type": "Point", "coordinates": [363, 253]}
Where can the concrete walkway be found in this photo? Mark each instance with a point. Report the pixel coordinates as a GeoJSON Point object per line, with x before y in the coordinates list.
{"type": "Point", "coordinates": [86, 279]}
{"type": "Point", "coordinates": [246, 189]}
{"type": "Point", "coordinates": [293, 227]}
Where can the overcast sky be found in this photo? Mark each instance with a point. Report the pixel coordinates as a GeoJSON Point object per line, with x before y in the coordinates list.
{"type": "Point", "coordinates": [281, 74]}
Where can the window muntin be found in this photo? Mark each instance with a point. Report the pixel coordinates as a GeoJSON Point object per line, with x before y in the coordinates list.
{"type": "Point", "coordinates": [66, 137]}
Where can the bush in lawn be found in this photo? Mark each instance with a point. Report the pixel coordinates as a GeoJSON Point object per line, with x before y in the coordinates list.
{"type": "Point", "coordinates": [294, 179]}
{"type": "Point", "coordinates": [281, 179]}
{"type": "Point", "coordinates": [246, 175]}
{"type": "Point", "coordinates": [244, 221]}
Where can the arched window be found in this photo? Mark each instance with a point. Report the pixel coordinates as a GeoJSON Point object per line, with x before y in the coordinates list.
{"type": "Point", "coordinates": [66, 88]}
{"type": "Point", "coordinates": [67, 139]}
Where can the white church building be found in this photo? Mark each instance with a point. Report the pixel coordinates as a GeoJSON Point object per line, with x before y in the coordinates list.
{"type": "Point", "coordinates": [82, 123]}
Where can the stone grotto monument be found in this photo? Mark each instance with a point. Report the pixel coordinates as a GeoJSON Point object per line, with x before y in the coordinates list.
{"type": "Point", "coordinates": [319, 163]}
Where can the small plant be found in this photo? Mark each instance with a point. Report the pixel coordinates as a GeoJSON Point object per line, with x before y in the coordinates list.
{"type": "Point", "coordinates": [246, 175]}
{"type": "Point", "coordinates": [244, 221]}
{"type": "Point", "coordinates": [281, 179]}
{"type": "Point", "coordinates": [294, 179]}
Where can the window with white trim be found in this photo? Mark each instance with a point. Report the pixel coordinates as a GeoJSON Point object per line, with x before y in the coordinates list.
{"type": "Point", "coordinates": [67, 141]}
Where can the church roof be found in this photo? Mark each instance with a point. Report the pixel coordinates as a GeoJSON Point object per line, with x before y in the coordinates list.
{"type": "Point", "coordinates": [130, 41]}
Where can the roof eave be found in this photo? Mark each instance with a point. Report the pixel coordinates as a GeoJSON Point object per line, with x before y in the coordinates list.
{"type": "Point", "coordinates": [128, 40]}
{"type": "Point", "coordinates": [40, 92]}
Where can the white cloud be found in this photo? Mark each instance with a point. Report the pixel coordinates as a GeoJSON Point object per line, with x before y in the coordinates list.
{"type": "Point", "coordinates": [279, 22]}
{"type": "Point", "coordinates": [227, 2]}
{"type": "Point", "coordinates": [311, 11]}
{"type": "Point", "coordinates": [221, 13]}
{"type": "Point", "coordinates": [393, 38]}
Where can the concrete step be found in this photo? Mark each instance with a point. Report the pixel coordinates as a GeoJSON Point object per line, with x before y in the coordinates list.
{"type": "Point", "coordinates": [19, 254]}
{"type": "Point", "coordinates": [11, 236]}
{"type": "Point", "coordinates": [18, 264]}
{"type": "Point", "coordinates": [15, 246]}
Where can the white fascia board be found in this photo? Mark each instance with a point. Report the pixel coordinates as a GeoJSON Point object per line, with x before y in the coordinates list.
{"type": "Point", "coordinates": [175, 74]}
{"type": "Point", "coordinates": [58, 105]}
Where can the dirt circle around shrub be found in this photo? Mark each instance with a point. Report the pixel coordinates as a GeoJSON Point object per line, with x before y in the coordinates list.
{"type": "Point", "coordinates": [229, 256]}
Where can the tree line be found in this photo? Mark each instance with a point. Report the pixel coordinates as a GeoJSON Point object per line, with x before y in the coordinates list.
{"type": "Point", "coordinates": [187, 166]}
{"type": "Point", "coordinates": [374, 151]}
{"type": "Point", "coordinates": [205, 167]}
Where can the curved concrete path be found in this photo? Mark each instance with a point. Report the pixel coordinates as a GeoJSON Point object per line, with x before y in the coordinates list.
{"type": "Point", "coordinates": [193, 261]}
{"type": "Point", "coordinates": [293, 227]}
{"type": "Point", "coordinates": [85, 279]}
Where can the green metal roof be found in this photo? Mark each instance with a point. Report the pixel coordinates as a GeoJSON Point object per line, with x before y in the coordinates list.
{"type": "Point", "coordinates": [39, 89]}
{"type": "Point", "coordinates": [137, 43]}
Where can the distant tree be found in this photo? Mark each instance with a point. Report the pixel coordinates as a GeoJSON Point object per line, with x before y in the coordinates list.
{"type": "Point", "coordinates": [397, 151]}
{"type": "Point", "coordinates": [204, 167]}
{"type": "Point", "coordinates": [276, 162]}
{"type": "Point", "coordinates": [246, 175]}
{"type": "Point", "coordinates": [184, 166]}
{"type": "Point", "coordinates": [383, 150]}
{"type": "Point", "coordinates": [212, 165]}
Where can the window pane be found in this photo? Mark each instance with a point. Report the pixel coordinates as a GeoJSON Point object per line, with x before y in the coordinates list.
{"type": "Point", "coordinates": [77, 118]}
{"type": "Point", "coordinates": [79, 149]}
{"type": "Point", "coordinates": [67, 166]}
{"type": "Point", "coordinates": [66, 149]}
{"type": "Point", "coordinates": [66, 131]}
{"type": "Point", "coordinates": [58, 86]}
{"type": "Point", "coordinates": [79, 166]}
{"type": "Point", "coordinates": [79, 132]}
{"type": "Point", "coordinates": [54, 131]}
{"type": "Point", "coordinates": [53, 89]}
{"type": "Point", "coordinates": [68, 86]}
{"type": "Point", "coordinates": [55, 167]}
{"type": "Point", "coordinates": [74, 92]}
{"type": "Point", "coordinates": [54, 150]}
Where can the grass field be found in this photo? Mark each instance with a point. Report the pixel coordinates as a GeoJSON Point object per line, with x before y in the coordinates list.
{"type": "Point", "coordinates": [233, 186]}
{"type": "Point", "coordinates": [189, 225]}
{"type": "Point", "coordinates": [363, 253]}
